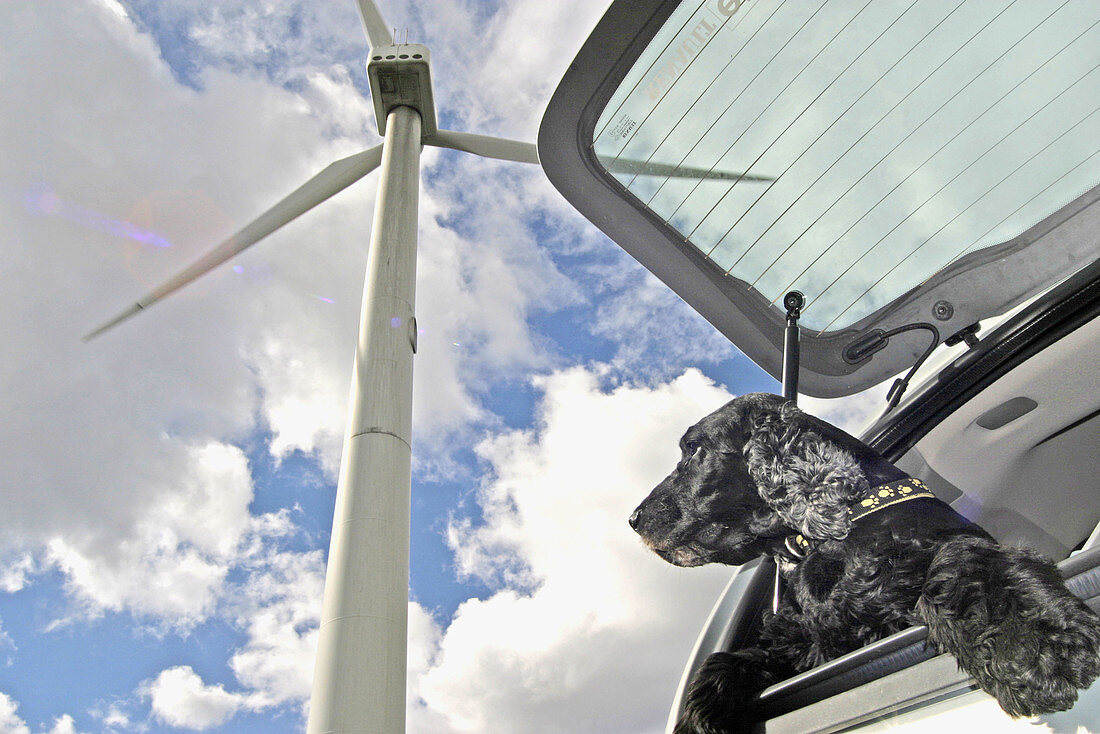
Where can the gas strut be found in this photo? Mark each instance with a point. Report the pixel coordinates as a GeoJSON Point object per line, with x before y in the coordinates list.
{"type": "Point", "coordinates": [793, 302]}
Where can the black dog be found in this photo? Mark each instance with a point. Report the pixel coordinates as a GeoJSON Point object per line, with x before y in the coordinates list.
{"type": "Point", "coordinates": [865, 552]}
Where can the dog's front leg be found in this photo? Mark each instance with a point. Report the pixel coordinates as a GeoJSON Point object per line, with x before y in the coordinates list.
{"type": "Point", "coordinates": [719, 695]}
{"type": "Point", "coordinates": [1007, 616]}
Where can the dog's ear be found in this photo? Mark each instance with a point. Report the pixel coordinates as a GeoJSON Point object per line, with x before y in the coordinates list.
{"type": "Point", "coordinates": [808, 480]}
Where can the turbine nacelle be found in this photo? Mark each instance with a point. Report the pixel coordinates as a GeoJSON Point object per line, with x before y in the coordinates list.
{"type": "Point", "coordinates": [399, 76]}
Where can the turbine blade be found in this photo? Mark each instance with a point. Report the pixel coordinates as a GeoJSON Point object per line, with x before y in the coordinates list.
{"type": "Point", "coordinates": [646, 168]}
{"type": "Point", "coordinates": [113, 322]}
{"type": "Point", "coordinates": [330, 181]}
{"type": "Point", "coordinates": [378, 33]}
{"type": "Point", "coordinates": [483, 145]}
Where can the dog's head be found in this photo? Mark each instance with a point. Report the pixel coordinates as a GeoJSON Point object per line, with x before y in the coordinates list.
{"type": "Point", "coordinates": [751, 473]}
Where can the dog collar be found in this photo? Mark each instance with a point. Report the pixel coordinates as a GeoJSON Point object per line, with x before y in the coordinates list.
{"type": "Point", "coordinates": [889, 494]}
{"type": "Point", "coordinates": [877, 498]}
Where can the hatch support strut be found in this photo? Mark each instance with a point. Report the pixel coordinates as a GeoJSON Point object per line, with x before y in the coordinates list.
{"type": "Point", "coordinates": [794, 302]}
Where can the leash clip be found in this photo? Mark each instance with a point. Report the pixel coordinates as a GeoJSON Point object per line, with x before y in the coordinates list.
{"type": "Point", "coordinates": [778, 590]}
{"type": "Point", "coordinates": [798, 547]}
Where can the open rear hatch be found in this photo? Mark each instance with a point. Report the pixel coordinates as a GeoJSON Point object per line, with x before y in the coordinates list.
{"type": "Point", "coordinates": [898, 163]}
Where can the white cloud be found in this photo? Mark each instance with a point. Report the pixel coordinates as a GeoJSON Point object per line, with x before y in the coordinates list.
{"type": "Point", "coordinates": [638, 313]}
{"type": "Point", "coordinates": [8, 647]}
{"type": "Point", "coordinates": [852, 413]}
{"type": "Point", "coordinates": [10, 722]}
{"type": "Point", "coordinates": [304, 404]}
{"type": "Point", "coordinates": [15, 570]}
{"type": "Point", "coordinates": [117, 447]}
{"type": "Point", "coordinates": [113, 716]}
{"type": "Point", "coordinates": [175, 559]}
{"type": "Point", "coordinates": [501, 83]}
{"type": "Point", "coordinates": [115, 7]}
{"type": "Point", "coordinates": [588, 631]}
{"type": "Point", "coordinates": [180, 698]}
{"type": "Point", "coordinates": [276, 605]}
{"type": "Point", "coordinates": [278, 608]}
{"type": "Point", "coordinates": [284, 39]}
{"type": "Point", "coordinates": [475, 291]}
{"type": "Point", "coordinates": [63, 724]}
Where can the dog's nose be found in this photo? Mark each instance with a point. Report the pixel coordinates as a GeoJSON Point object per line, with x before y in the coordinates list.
{"type": "Point", "coordinates": [634, 518]}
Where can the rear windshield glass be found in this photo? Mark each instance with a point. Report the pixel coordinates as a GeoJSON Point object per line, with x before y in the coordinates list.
{"type": "Point", "coordinates": [852, 149]}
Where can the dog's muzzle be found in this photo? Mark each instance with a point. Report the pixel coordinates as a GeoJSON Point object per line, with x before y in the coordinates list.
{"type": "Point", "coordinates": [651, 515]}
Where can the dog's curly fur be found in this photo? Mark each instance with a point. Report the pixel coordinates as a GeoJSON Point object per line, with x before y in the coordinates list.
{"type": "Point", "coordinates": [759, 470]}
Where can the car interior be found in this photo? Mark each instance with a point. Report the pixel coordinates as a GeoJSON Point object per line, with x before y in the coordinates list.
{"type": "Point", "coordinates": [1020, 457]}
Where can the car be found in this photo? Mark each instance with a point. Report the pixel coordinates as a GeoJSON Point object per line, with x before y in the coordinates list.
{"type": "Point", "coordinates": [925, 174]}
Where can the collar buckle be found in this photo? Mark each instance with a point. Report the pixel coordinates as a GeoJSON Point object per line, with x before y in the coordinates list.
{"type": "Point", "coordinates": [797, 546]}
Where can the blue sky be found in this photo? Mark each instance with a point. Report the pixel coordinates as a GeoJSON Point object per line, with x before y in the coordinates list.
{"type": "Point", "coordinates": [168, 488]}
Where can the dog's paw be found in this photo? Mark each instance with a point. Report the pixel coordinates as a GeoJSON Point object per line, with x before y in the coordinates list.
{"type": "Point", "coordinates": [1007, 616]}
{"type": "Point", "coordinates": [1038, 666]}
{"type": "Point", "coordinates": [718, 696]}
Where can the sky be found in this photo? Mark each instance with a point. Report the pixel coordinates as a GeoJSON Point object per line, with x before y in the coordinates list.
{"type": "Point", "coordinates": [167, 489]}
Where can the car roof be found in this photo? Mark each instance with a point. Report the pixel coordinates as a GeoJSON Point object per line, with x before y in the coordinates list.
{"type": "Point", "coordinates": [898, 164]}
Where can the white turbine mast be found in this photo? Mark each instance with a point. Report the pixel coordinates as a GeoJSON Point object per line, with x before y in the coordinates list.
{"type": "Point", "coordinates": [359, 675]}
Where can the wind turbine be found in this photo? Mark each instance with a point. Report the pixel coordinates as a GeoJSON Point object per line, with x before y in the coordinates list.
{"type": "Point", "coordinates": [359, 675]}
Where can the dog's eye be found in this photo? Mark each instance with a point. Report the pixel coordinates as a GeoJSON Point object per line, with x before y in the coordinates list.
{"type": "Point", "coordinates": [691, 450]}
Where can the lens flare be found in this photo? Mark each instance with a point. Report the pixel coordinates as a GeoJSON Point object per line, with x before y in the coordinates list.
{"type": "Point", "coordinates": [41, 199]}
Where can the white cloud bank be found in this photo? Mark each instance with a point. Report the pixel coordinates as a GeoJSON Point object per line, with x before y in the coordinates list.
{"type": "Point", "coordinates": [588, 631]}
{"type": "Point", "coordinates": [118, 465]}
{"type": "Point", "coordinates": [173, 563]}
